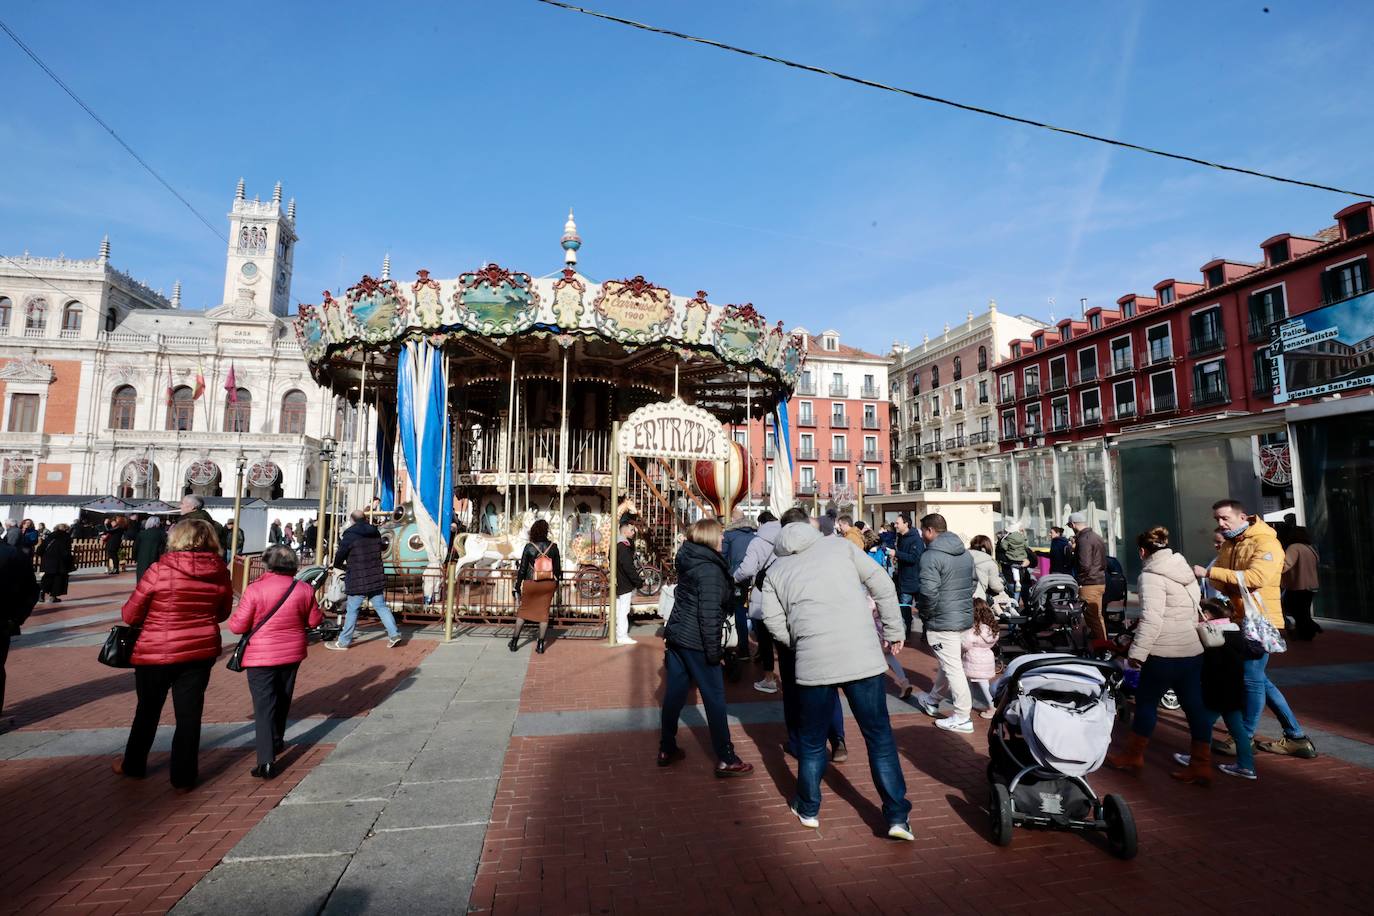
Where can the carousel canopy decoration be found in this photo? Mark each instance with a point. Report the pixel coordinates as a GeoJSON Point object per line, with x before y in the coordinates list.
{"type": "Point", "coordinates": [496, 304]}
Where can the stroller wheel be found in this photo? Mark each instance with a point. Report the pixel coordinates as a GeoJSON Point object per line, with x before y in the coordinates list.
{"type": "Point", "coordinates": [1121, 838]}
{"type": "Point", "coordinates": [999, 810]}
{"type": "Point", "coordinates": [1170, 700]}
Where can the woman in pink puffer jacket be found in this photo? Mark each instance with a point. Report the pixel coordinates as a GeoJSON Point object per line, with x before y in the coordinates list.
{"type": "Point", "coordinates": [275, 651]}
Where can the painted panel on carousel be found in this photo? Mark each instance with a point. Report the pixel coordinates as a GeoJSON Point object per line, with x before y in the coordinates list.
{"type": "Point", "coordinates": [311, 333]}
{"type": "Point", "coordinates": [634, 310]}
{"type": "Point", "coordinates": [793, 355]}
{"type": "Point", "coordinates": [568, 302]}
{"type": "Point", "coordinates": [377, 309]}
{"type": "Point", "coordinates": [429, 304]}
{"type": "Point", "coordinates": [738, 331]}
{"type": "Point", "coordinates": [497, 302]}
{"type": "Point", "coordinates": [696, 319]}
{"type": "Point", "coordinates": [332, 313]}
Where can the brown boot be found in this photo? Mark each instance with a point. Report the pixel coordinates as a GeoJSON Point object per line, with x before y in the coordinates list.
{"type": "Point", "coordinates": [1199, 768]}
{"type": "Point", "coordinates": [1131, 758]}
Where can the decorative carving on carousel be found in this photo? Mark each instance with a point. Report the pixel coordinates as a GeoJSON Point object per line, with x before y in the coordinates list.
{"type": "Point", "coordinates": [429, 307]}
{"type": "Point", "coordinates": [568, 304]}
{"type": "Point", "coordinates": [633, 310]}
{"type": "Point", "coordinates": [311, 331]}
{"type": "Point", "coordinates": [377, 309]}
{"type": "Point", "coordinates": [696, 320]}
{"type": "Point", "coordinates": [494, 301]}
{"type": "Point", "coordinates": [738, 331]}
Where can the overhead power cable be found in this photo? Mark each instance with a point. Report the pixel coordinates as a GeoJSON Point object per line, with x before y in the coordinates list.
{"type": "Point", "coordinates": [112, 132]}
{"type": "Point", "coordinates": [962, 106]}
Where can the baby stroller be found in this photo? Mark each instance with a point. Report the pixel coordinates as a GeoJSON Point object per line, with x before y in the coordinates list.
{"type": "Point", "coordinates": [1053, 619]}
{"type": "Point", "coordinates": [1052, 727]}
{"type": "Point", "coordinates": [317, 576]}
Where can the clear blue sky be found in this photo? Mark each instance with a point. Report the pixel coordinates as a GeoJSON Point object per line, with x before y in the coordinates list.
{"type": "Point", "coordinates": [453, 133]}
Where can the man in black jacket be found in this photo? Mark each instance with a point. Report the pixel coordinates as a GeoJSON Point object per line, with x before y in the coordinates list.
{"type": "Point", "coordinates": [21, 594]}
{"type": "Point", "coordinates": [627, 579]}
{"type": "Point", "coordinates": [360, 555]}
{"type": "Point", "coordinates": [908, 554]}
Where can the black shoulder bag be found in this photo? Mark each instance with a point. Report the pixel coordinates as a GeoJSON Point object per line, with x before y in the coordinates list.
{"type": "Point", "coordinates": [235, 662]}
{"type": "Point", "coordinates": [118, 650]}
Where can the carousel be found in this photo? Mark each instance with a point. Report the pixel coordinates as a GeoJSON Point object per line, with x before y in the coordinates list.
{"type": "Point", "coordinates": [483, 403]}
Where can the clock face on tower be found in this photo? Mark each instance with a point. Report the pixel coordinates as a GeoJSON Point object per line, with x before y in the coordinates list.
{"type": "Point", "coordinates": [249, 272]}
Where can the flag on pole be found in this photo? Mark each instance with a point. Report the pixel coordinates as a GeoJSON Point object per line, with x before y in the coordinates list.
{"type": "Point", "coordinates": [200, 383]}
{"type": "Point", "coordinates": [780, 496]}
{"type": "Point", "coordinates": [231, 386]}
{"type": "Point", "coordinates": [169, 384]}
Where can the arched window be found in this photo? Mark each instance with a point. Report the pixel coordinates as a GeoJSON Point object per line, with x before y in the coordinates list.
{"type": "Point", "coordinates": [123, 404]}
{"type": "Point", "coordinates": [982, 359]}
{"type": "Point", "coordinates": [6, 308]}
{"type": "Point", "coordinates": [36, 316]}
{"type": "Point", "coordinates": [293, 405]}
{"type": "Point", "coordinates": [71, 317]}
{"type": "Point", "coordinates": [181, 410]}
{"type": "Point", "coordinates": [934, 376]}
{"type": "Point", "coordinates": [239, 412]}
{"type": "Point", "coordinates": [111, 319]}
{"type": "Point", "coordinates": [958, 368]}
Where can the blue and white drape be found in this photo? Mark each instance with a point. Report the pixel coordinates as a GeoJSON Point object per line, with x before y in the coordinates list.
{"type": "Point", "coordinates": [780, 497]}
{"type": "Point", "coordinates": [386, 456]}
{"type": "Point", "coordinates": [422, 415]}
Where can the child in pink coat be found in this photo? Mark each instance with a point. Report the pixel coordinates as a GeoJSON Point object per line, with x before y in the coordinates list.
{"type": "Point", "coordinates": [980, 664]}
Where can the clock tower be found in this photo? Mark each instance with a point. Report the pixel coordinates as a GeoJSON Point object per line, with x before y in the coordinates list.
{"type": "Point", "coordinates": [262, 245]}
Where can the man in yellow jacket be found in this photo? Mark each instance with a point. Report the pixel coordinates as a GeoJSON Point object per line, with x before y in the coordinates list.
{"type": "Point", "coordinates": [1251, 547]}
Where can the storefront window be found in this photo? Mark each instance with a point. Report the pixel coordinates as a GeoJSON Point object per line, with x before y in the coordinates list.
{"type": "Point", "coordinates": [1336, 461]}
{"type": "Point", "coordinates": [1083, 487]}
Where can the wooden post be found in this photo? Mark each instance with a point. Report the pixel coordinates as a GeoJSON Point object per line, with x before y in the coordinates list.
{"type": "Point", "coordinates": [616, 458]}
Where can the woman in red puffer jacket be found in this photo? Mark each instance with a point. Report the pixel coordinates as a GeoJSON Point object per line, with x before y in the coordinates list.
{"type": "Point", "coordinates": [178, 606]}
{"type": "Point", "coordinates": [275, 651]}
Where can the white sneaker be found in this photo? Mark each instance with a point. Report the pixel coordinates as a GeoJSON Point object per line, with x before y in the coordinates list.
{"type": "Point", "coordinates": [766, 686]}
{"type": "Point", "coordinates": [813, 822]}
{"type": "Point", "coordinates": [627, 641]}
{"type": "Point", "coordinates": [1235, 769]}
{"type": "Point", "coordinates": [393, 642]}
{"type": "Point", "coordinates": [961, 724]}
{"type": "Point", "coordinates": [335, 645]}
{"type": "Point", "coordinates": [928, 705]}
{"type": "Point", "coordinates": [1184, 759]}
{"type": "Point", "coordinates": [901, 832]}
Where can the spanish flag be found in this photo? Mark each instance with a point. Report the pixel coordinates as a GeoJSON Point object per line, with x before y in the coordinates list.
{"type": "Point", "coordinates": [200, 384]}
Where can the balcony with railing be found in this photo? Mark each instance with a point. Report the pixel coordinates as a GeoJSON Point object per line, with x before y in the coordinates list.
{"type": "Point", "coordinates": [1085, 376]}
{"type": "Point", "coordinates": [1163, 403]}
{"type": "Point", "coordinates": [808, 453]}
{"type": "Point", "coordinates": [69, 334]}
{"type": "Point", "coordinates": [1212, 395]}
{"type": "Point", "coordinates": [841, 454]}
{"type": "Point", "coordinates": [35, 332]}
{"type": "Point", "coordinates": [1209, 342]}
{"type": "Point", "coordinates": [1156, 356]}
{"type": "Point", "coordinates": [1122, 363]}
{"type": "Point", "coordinates": [872, 423]}
{"type": "Point", "coordinates": [807, 387]}
{"type": "Point", "coordinates": [954, 442]}
{"type": "Point", "coordinates": [872, 489]}
{"type": "Point", "coordinates": [1125, 411]}
{"type": "Point", "coordinates": [872, 456]}
{"type": "Point", "coordinates": [1059, 423]}
{"type": "Point", "coordinates": [980, 438]}
{"type": "Point", "coordinates": [1031, 390]}
{"type": "Point", "coordinates": [930, 448]}
{"type": "Point", "coordinates": [1260, 322]}
{"type": "Point", "coordinates": [839, 390]}
{"type": "Point", "coordinates": [933, 483]}
{"type": "Point", "coordinates": [808, 488]}
{"type": "Point", "coordinates": [869, 392]}
{"type": "Point", "coordinates": [1091, 417]}
{"type": "Point", "coordinates": [1006, 398]}
{"type": "Point", "coordinates": [912, 451]}
{"type": "Point", "coordinates": [839, 421]}
{"type": "Point", "coordinates": [807, 420]}
{"type": "Point", "coordinates": [1059, 382]}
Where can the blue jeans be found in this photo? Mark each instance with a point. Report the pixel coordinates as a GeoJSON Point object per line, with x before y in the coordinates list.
{"type": "Point", "coordinates": [1259, 690]}
{"type": "Point", "coordinates": [1235, 724]}
{"type": "Point", "coordinates": [1184, 677]}
{"type": "Point", "coordinates": [868, 701]}
{"type": "Point", "coordinates": [355, 603]}
{"type": "Point", "coordinates": [791, 704]}
{"type": "Point", "coordinates": [685, 667]}
{"type": "Point", "coordinates": [907, 600]}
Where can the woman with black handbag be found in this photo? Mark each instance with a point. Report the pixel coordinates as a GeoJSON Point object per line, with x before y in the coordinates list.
{"type": "Point", "coordinates": [274, 613]}
{"type": "Point", "coordinates": [177, 607]}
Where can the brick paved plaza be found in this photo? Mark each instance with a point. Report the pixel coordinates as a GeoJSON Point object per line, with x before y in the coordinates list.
{"type": "Point", "coordinates": [434, 778]}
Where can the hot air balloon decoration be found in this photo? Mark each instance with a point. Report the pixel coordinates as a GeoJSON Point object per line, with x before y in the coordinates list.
{"type": "Point", "coordinates": [721, 480]}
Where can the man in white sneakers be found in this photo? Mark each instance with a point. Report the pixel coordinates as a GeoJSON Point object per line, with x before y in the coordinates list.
{"type": "Point", "coordinates": [946, 609]}
{"type": "Point", "coordinates": [627, 580]}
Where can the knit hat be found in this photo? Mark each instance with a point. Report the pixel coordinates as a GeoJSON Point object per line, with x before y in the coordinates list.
{"type": "Point", "coordinates": [1078, 518]}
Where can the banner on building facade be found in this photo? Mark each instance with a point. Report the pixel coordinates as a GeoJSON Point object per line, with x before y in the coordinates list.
{"type": "Point", "coordinates": [1324, 351]}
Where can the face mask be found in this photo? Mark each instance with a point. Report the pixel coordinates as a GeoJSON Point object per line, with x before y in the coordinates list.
{"type": "Point", "coordinates": [1234, 533]}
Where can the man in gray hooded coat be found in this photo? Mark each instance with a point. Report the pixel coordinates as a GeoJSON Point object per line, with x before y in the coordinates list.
{"type": "Point", "coordinates": [946, 603]}
{"type": "Point", "coordinates": [815, 600]}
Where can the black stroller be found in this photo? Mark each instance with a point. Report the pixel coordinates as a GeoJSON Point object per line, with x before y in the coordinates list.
{"type": "Point", "coordinates": [1052, 727]}
{"type": "Point", "coordinates": [1052, 621]}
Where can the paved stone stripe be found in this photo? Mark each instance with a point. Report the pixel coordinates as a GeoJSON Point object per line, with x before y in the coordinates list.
{"type": "Point", "coordinates": [396, 815]}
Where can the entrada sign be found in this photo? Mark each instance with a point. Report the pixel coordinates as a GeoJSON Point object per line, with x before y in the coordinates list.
{"type": "Point", "coordinates": [673, 429]}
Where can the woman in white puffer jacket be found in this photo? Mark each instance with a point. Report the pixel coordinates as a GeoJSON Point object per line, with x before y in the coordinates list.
{"type": "Point", "coordinates": [1168, 653]}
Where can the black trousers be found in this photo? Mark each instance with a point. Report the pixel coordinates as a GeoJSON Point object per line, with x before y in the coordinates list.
{"type": "Point", "coordinates": [187, 682]}
{"type": "Point", "coordinates": [1297, 603]}
{"type": "Point", "coordinates": [4, 657]}
{"type": "Point", "coordinates": [271, 688]}
{"type": "Point", "coordinates": [766, 644]}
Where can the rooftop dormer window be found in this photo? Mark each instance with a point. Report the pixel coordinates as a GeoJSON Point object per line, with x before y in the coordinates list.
{"type": "Point", "coordinates": [830, 342]}
{"type": "Point", "coordinates": [1128, 309]}
{"type": "Point", "coordinates": [1215, 276]}
{"type": "Point", "coordinates": [1166, 295]}
{"type": "Point", "coordinates": [1039, 341]}
{"type": "Point", "coordinates": [1095, 320]}
{"type": "Point", "coordinates": [1356, 223]}
{"type": "Point", "coordinates": [1277, 253]}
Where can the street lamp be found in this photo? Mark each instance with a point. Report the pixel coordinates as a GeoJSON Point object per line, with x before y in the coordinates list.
{"type": "Point", "coordinates": [326, 455]}
{"type": "Point", "coordinates": [241, 463]}
{"type": "Point", "coordinates": [859, 490]}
